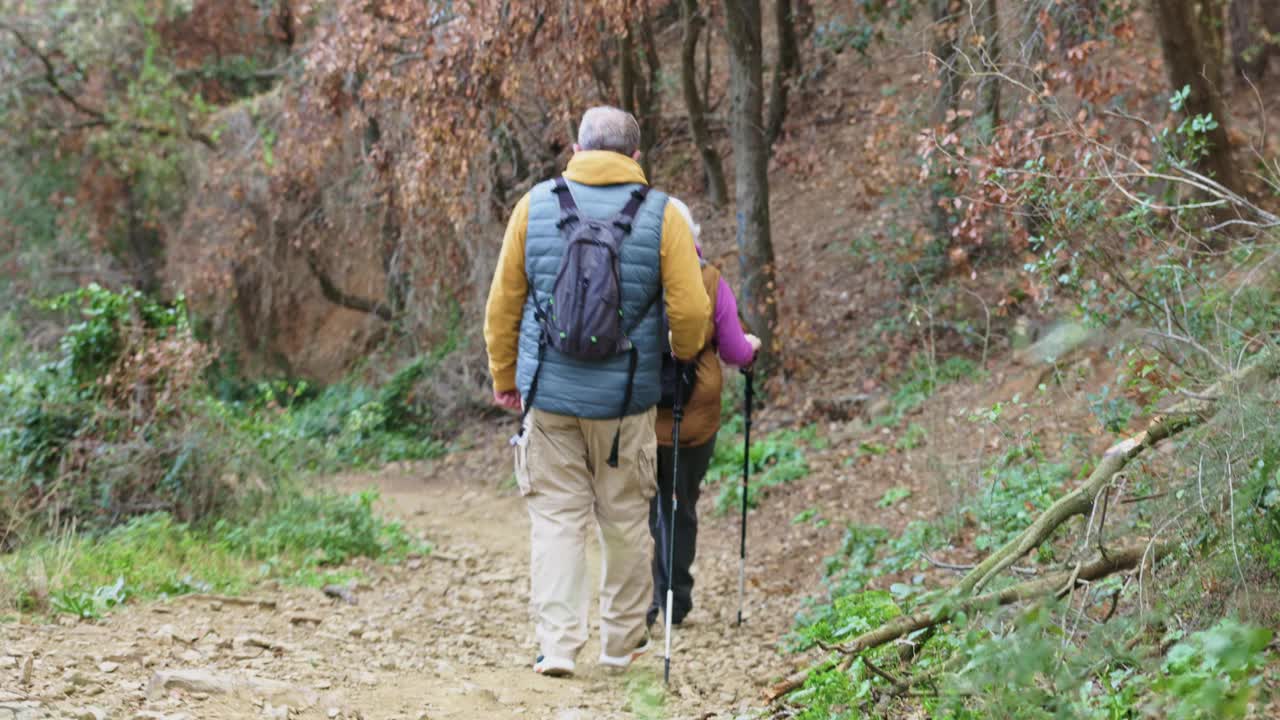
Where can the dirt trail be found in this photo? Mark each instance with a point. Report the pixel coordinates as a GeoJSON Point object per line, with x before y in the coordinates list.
{"type": "Point", "coordinates": [444, 636]}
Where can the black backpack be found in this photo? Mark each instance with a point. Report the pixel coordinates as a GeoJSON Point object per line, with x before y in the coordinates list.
{"type": "Point", "coordinates": [583, 317]}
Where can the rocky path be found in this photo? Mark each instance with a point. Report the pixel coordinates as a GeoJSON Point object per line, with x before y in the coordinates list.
{"type": "Point", "coordinates": [442, 636]}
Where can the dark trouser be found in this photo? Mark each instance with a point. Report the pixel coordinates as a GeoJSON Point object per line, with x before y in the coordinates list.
{"type": "Point", "coordinates": [693, 466]}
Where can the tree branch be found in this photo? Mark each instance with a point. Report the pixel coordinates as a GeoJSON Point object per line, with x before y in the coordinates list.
{"type": "Point", "coordinates": [1057, 583]}
{"type": "Point", "coordinates": [337, 296]}
{"type": "Point", "coordinates": [51, 73]}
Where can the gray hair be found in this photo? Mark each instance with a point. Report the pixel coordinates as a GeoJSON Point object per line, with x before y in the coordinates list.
{"type": "Point", "coordinates": [608, 128]}
{"type": "Point", "coordinates": [687, 215]}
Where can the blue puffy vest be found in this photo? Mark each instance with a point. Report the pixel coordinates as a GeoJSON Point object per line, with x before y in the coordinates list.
{"type": "Point", "coordinates": [595, 389]}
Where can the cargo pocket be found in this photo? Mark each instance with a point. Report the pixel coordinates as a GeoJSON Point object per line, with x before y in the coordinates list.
{"type": "Point", "coordinates": [520, 447]}
{"type": "Point", "coordinates": [647, 466]}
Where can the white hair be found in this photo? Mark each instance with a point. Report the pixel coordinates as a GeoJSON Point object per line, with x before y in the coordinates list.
{"type": "Point", "coordinates": [688, 216]}
{"type": "Point", "coordinates": [608, 128]}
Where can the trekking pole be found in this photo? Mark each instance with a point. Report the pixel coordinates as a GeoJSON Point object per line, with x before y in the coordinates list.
{"type": "Point", "coordinates": [677, 412]}
{"type": "Point", "coordinates": [746, 474]}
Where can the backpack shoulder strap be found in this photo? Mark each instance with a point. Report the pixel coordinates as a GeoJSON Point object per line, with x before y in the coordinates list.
{"type": "Point", "coordinates": [627, 215]}
{"type": "Point", "coordinates": [568, 208]}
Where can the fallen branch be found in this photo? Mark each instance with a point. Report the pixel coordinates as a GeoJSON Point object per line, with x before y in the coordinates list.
{"type": "Point", "coordinates": [1186, 414]}
{"type": "Point", "coordinates": [1189, 413]}
{"type": "Point", "coordinates": [1057, 583]}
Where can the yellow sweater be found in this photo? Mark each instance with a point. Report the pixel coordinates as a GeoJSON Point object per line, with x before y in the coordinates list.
{"type": "Point", "coordinates": [688, 307]}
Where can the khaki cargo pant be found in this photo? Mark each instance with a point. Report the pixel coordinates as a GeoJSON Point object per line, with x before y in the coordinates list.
{"type": "Point", "coordinates": [562, 472]}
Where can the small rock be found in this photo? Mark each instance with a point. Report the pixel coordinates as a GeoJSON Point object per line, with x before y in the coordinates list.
{"type": "Point", "coordinates": [371, 636]}
{"type": "Point", "coordinates": [124, 655]}
{"type": "Point", "coordinates": [247, 653]}
{"type": "Point", "coordinates": [332, 712]}
{"type": "Point", "coordinates": [191, 656]}
{"type": "Point", "coordinates": [108, 667]}
{"type": "Point", "coordinates": [339, 592]}
{"type": "Point", "coordinates": [275, 712]}
{"type": "Point", "coordinates": [90, 713]}
{"type": "Point", "coordinates": [202, 681]}
{"type": "Point", "coordinates": [216, 606]}
{"type": "Point", "coordinates": [28, 668]}
{"type": "Point", "coordinates": [28, 710]}
{"type": "Point", "coordinates": [254, 641]}
{"type": "Point", "coordinates": [165, 634]}
{"type": "Point", "coordinates": [304, 619]}
{"type": "Point", "coordinates": [8, 662]}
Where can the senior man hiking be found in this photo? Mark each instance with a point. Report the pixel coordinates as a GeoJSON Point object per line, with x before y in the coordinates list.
{"type": "Point", "coordinates": [573, 328]}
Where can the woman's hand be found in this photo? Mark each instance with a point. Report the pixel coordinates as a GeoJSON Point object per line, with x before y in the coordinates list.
{"type": "Point", "coordinates": [754, 342]}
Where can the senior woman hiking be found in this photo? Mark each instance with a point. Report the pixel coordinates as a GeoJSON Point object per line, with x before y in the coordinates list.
{"type": "Point", "coordinates": [724, 340]}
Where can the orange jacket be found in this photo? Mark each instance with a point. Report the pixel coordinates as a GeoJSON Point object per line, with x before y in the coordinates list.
{"type": "Point", "coordinates": [702, 413]}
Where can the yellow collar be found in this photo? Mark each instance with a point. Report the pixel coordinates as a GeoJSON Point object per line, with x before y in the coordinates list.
{"type": "Point", "coordinates": [602, 167]}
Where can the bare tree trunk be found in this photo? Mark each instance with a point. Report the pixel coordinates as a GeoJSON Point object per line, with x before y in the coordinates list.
{"type": "Point", "coordinates": [1252, 25]}
{"type": "Point", "coordinates": [712, 166]}
{"type": "Point", "coordinates": [706, 57]}
{"type": "Point", "coordinates": [627, 74]}
{"type": "Point", "coordinates": [1191, 38]}
{"type": "Point", "coordinates": [751, 175]}
{"type": "Point", "coordinates": [786, 69]}
{"type": "Point", "coordinates": [648, 95]}
{"type": "Point", "coordinates": [946, 14]}
{"type": "Point", "coordinates": [989, 21]}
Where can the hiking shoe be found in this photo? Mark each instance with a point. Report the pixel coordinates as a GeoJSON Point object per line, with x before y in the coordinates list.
{"type": "Point", "coordinates": [553, 667]}
{"type": "Point", "coordinates": [624, 662]}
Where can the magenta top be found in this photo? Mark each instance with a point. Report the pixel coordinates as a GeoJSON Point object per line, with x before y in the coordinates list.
{"type": "Point", "coordinates": [731, 341]}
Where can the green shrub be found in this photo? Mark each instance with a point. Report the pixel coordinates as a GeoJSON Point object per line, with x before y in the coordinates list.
{"type": "Point", "coordinates": [850, 615]}
{"type": "Point", "coordinates": [834, 695]}
{"type": "Point", "coordinates": [776, 459]}
{"type": "Point", "coordinates": [113, 426]}
{"type": "Point", "coordinates": [918, 382]}
{"type": "Point", "coordinates": [123, 422]}
{"type": "Point", "coordinates": [297, 538]}
{"type": "Point", "coordinates": [893, 496]}
{"type": "Point", "coordinates": [1030, 671]}
{"type": "Point", "coordinates": [1215, 673]}
{"type": "Point", "coordinates": [1022, 484]}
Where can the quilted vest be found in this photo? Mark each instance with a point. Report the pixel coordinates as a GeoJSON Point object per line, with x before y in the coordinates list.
{"type": "Point", "coordinates": [595, 390]}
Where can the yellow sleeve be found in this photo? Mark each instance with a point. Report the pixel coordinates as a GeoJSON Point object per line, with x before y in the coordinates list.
{"type": "Point", "coordinates": [505, 307]}
{"type": "Point", "coordinates": [688, 307]}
